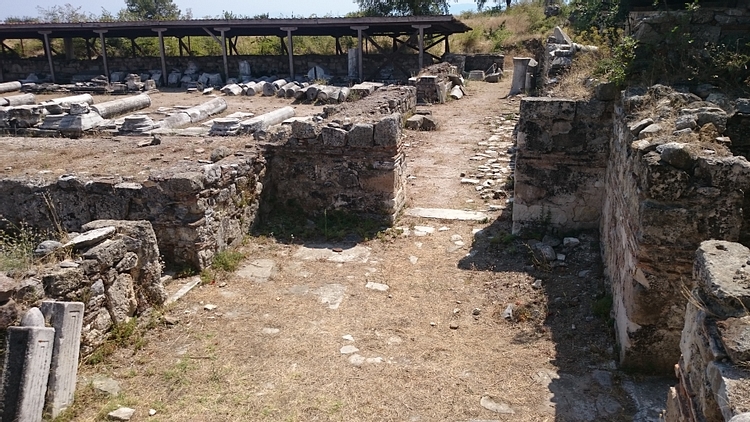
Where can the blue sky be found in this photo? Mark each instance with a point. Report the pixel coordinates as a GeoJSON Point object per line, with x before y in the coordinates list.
{"type": "Point", "coordinates": [203, 8]}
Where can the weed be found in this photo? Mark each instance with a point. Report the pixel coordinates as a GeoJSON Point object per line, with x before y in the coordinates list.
{"type": "Point", "coordinates": [227, 260]}
{"type": "Point", "coordinates": [125, 334]}
{"type": "Point", "coordinates": [17, 246]}
{"type": "Point", "coordinates": [602, 307]}
{"type": "Point", "coordinates": [178, 374]}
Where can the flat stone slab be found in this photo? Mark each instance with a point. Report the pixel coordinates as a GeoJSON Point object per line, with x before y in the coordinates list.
{"type": "Point", "coordinates": [496, 406]}
{"type": "Point", "coordinates": [329, 252]}
{"type": "Point", "coordinates": [183, 290]}
{"type": "Point", "coordinates": [331, 295]}
{"type": "Point", "coordinates": [91, 237]}
{"type": "Point", "coordinates": [259, 270]}
{"type": "Point", "coordinates": [446, 214]}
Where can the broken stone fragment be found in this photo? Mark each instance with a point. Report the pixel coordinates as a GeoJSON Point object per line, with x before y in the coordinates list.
{"type": "Point", "coordinates": [676, 155]}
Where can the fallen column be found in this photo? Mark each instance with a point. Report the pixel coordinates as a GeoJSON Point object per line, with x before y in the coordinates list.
{"type": "Point", "coordinates": [266, 120]}
{"type": "Point", "coordinates": [194, 114]}
{"type": "Point", "coordinates": [28, 354]}
{"type": "Point", "coordinates": [343, 94]}
{"type": "Point", "coordinates": [121, 106]}
{"type": "Point", "coordinates": [17, 100]}
{"type": "Point", "coordinates": [312, 92]}
{"type": "Point", "coordinates": [457, 92]}
{"type": "Point", "coordinates": [9, 87]}
{"type": "Point", "coordinates": [225, 127]}
{"type": "Point", "coordinates": [325, 93]}
{"type": "Point", "coordinates": [209, 108]}
{"type": "Point", "coordinates": [83, 98]}
{"type": "Point", "coordinates": [67, 320]}
{"type": "Point", "coordinates": [283, 90]}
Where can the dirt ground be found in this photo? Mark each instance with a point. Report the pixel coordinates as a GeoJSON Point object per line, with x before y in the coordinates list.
{"type": "Point", "coordinates": [436, 346]}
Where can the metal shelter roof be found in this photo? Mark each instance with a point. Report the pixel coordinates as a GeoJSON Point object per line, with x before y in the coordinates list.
{"type": "Point", "coordinates": [442, 25]}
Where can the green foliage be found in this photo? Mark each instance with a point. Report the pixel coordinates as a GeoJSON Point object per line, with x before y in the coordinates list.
{"type": "Point", "coordinates": [616, 68]}
{"type": "Point", "coordinates": [152, 10]}
{"type": "Point", "coordinates": [602, 307]}
{"type": "Point", "coordinates": [599, 14]}
{"type": "Point", "coordinates": [227, 260]}
{"type": "Point", "coordinates": [126, 334]}
{"type": "Point", "coordinates": [65, 13]}
{"type": "Point", "coordinates": [402, 7]}
{"type": "Point", "coordinates": [17, 245]}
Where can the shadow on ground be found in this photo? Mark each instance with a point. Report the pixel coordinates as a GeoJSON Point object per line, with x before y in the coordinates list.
{"type": "Point", "coordinates": [570, 303]}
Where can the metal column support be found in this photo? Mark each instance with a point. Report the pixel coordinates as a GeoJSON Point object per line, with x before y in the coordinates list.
{"type": "Point", "coordinates": [48, 52]}
{"type": "Point", "coordinates": [160, 31]}
{"type": "Point", "coordinates": [359, 30]}
{"type": "Point", "coordinates": [290, 48]}
{"type": "Point", "coordinates": [224, 50]}
{"type": "Point", "coordinates": [447, 45]}
{"type": "Point", "coordinates": [421, 43]}
{"type": "Point", "coordinates": [101, 33]}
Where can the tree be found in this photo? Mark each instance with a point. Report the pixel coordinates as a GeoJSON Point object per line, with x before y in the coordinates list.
{"type": "Point", "coordinates": [152, 10]}
{"type": "Point", "coordinates": [66, 13]}
{"type": "Point", "coordinates": [403, 7]}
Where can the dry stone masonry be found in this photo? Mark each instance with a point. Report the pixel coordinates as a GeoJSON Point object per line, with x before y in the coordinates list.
{"type": "Point", "coordinates": [196, 209]}
{"type": "Point", "coordinates": [656, 174]}
{"type": "Point", "coordinates": [713, 380]}
{"type": "Point", "coordinates": [353, 160]}
{"type": "Point", "coordinates": [560, 163]}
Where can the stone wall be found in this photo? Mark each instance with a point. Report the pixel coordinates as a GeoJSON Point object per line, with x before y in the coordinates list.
{"type": "Point", "coordinates": [15, 69]}
{"type": "Point", "coordinates": [560, 164]}
{"type": "Point", "coordinates": [195, 209]}
{"type": "Point", "coordinates": [666, 192]}
{"type": "Point", "coordinates": [352, 161]}
{"type": "Point", "coordinates": [113, 268]}
{"type": "Point", "coordinates": [705, 24]}
{"type": "Point", "coordinates": [713, 380]}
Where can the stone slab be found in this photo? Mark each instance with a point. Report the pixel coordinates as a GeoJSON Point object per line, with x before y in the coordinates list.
{"type": "Point", "coordinates": [67, 320]}
{"type": "Point", "coordinates": [328, 252]}
{"type": "Point", "coordinates": [183, 290]}
{"type": "Point", "coordinates": [259, 270]}
{"type": "Point", "coordinates": [447, 214]}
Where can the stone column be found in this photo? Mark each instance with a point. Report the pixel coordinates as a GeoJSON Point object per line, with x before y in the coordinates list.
{"type": "Point", "coordinates": [290, 49]}
{"type": "Point", "coordinates": [101, 33]}
{"type": "Point", "coordinates": [359, 30]}
{"type": "Point", "coordinates": [67, 320]}
{"type": "Point", "coordinates": [421, 43]}
{"type": "Point", "coordinates": [224, 50]}
{"type": "Point", "coordinates": [162, 53]}
{"type": "Point", "coordinates": [26, 368]}
{"type": "Point", "coordinates": [48, 52]}
{"type": "Point", "coordinates": [520, 66]}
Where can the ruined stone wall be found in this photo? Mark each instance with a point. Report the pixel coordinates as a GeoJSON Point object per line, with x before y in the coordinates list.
{"type": "Point", "coordinates": [666, 192]}
{"type": "Point", "coordinates": [713, 380]}
{"type": "Point", "coordinates": [560, 164]}
{"type": "Point", "coordinates": [706, 25]}
{"type": "Point", "coordinates": [195, 209]}
{"type": "Point", "coordinates": [113, 268]}
{"type": "Point", "coordinates": [352, 161]}
{"type": "Point", "coordinates": [14, 69]}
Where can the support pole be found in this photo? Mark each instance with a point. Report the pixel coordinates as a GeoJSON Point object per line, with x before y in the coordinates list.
{"type": "Point", "coordinates": [101, 33]}
{"type": "Point", "coordinates": [447, 45]}
{"type": "Point", "coordinates": [160, 31]}
{"type": "Point", "coordinates": [48, 52]}
{"type": "Point", "coordinates": [224, 50]}
{"type": "Point", "coordinates": [290, 49]}
{"type": "Point", "coordinates": [421, 43]}
{"type": "Point", "coordinates": [359, 29]}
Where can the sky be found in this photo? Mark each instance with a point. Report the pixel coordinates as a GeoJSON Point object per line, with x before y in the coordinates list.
{"type": "Point", "coordinates": [212, 8]}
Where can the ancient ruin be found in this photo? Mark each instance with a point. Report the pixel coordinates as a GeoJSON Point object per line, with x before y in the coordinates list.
{"type": "Point", "coordinates": [627, 205]}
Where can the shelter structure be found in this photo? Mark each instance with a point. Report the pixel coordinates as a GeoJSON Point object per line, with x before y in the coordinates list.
{"type": "Point", "coordinates": [417, 29]}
